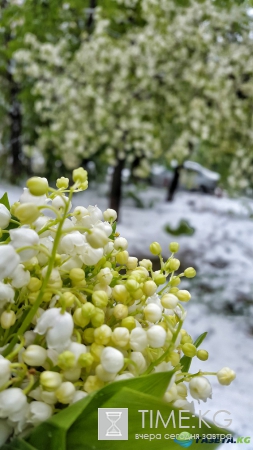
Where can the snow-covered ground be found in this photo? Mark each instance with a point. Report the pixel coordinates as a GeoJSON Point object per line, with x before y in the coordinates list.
{"type": "Point", "coordinates": [221, 249]}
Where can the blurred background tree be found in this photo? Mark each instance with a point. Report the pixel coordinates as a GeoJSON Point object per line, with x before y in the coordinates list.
{"type": "Point", "coordinates": [129, 83]}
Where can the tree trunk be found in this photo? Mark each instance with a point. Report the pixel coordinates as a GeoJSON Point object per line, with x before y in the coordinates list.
{"type": "Point", "coordinates": [15, 130]}
{"type": "Point", "coordinates": [93, 5]}
{"type": "Point", "coordinates": [116, 186]}
{"type": "Point", "coordinates": [174, 183]}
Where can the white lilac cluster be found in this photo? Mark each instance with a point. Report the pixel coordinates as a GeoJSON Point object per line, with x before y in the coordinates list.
{"type": "Point", "coordinates": [136, 98]}
{"type": "Point", "coordinates": [78, 312]}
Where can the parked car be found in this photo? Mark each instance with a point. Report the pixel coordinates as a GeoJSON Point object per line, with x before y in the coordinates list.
{"type": "Point", "coordinates": [193, 177]}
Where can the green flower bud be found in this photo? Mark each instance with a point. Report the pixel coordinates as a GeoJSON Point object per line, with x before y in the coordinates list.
{"type": "Point", "coordinates": [96, 350]}
{"type": "Point", "coordinates": [34, 284]}
{"type": "Point", "coordinates": [172, 264]}
{"type": "Point", "coordinates": [183, 295]}
{"type": "Point", "coordinates": [80, 175]}
{"type": "Point", "coordinates": [132, 285]}
{"type": "Point", "coordinates": [98, 318]}
{"type": "Point", "coordinates": [175, 281]}
{"type": "Point", "coordinates": [68, 299]}
{"type": "Point", "coordinates": [155, 248]}
{"type": "Point", "coordinates": [50, 381]}
{"type": "Point", "coordinates": [159, 278]}
{"type": "Point", "coordinates": [146, 263]}
{"type": "Point", "coordinates": [202, 355]}
{"type": "Point", "coordinates": [186, 339]}
{"type": "Point", "coordinates": [137, 294]}
{"type": "Point", "coordinates": [100, 299]}
{"type": "Point", "coordinates": [190, 272]}
{"type": "Point", "coordinates": [62, 183]}
{"type": "Point", "coordinates": [174, 290]}
{"type": "Point", "coordinates": [189, 350]}
{"type": "Point", "coordinates": [102, 335]}
{"type": "Point", "coordinates": [88, 309]}
{"type": "Point", "coordinates": [32, 297]}
{"type": "Point", "coordinates": [169, 301]}
{"type": "Point", "coordinates": [27, 213]}
{"type": "Point", "coordinates": [66, 360]}
{"type": "Point", "coordinates": [174, 358]}
{"type": "Point", "coordinates": [37, 185]}
{"type": "Point", "coordinates": [122, 257]}
{"type": "Point", "coordinates": [8, 318]}
{"type": "Point", "coordinates": [76, 275]}
{"type": "Point", "coordinates": [79, 319]}
{"type": "Point", "coordinates": [120, 293]}
{"type": "Point", "coordinates": [174, 247]}
{"type": "Point", "coordinates": [128, 322]}
{"type": "Point", "coordinates": [88, 335]}
{"type": "Point", "coordinates": [120, 311]}
{"type": "Point", "coordinates": [149, 288]}
{"type": "Point", "coordinates": [85, 360]}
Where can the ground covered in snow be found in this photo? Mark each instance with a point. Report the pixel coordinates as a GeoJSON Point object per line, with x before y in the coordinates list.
{"type": "Point", "coordinates": [221, 249]}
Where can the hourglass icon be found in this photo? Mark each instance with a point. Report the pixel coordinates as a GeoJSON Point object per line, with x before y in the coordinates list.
{"type": "Point", "coordinates": [113, 417]}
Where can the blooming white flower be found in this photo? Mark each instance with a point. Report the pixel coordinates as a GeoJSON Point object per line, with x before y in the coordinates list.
{"type": "Point", "coordinates": [34, 355]}
{"type": "Point", "coordinates": [60, 201]}
{"type": "Point", "coordinates": [12, 400]}
{"type": "Point", "coordinates": [78, 395]}
{"type": "Point", "coordinates": [110, 215]}
{"type": "Point", "coordinates": [200, 388]}
{"type": "Point", "coordinates": [24, 237]}
{"type": "Point", "coordinates": [9, 260]}
{"type": "Point", "coordinates": [90, 256]}
{"type": "Point", "coordinates": [20, 277]}
{"type": "Point", "coordinates": [27, 197]}
{"type": "Point", "coordinates": [120, 243]}
{"type": "Point", "coordinates": [39, 412]}
{"type": "Point", "coordinates": [112, 360]}
{"type": "Point", "coordinates": [138, 339]}
{"type": "Point", "coordinates": [6, 294]}
{"type": "Point", "coordinates": [5, 371]}
{"type": "Point", "coordinates": [5, 216]}
{"type": "Point", "coordinates": [226, 376]}
{"type": "Point", "coordinates": [96, 238]}
{"type": "Point", "coordinates": [58, 328]}
{"type": "Point", "coordinates": [72, 243]}
{"type": "Point", "coordinates": [156, 336]}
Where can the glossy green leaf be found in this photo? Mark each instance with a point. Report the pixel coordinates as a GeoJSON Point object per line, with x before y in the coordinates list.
{"type": "Point", "coordinates": [5, 201]}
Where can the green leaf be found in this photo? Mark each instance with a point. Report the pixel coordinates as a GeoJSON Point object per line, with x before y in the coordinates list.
{"type": "Point", "coordinates": [114, 226]}
{"type": "Point", "coordinates": [18, 444]}
{"type": "Point", "coordinates": [5, 201]}
{"type": "Point", "coordinates": [183, 228]}
{"type": "Point", "coordinates": [185, 361]}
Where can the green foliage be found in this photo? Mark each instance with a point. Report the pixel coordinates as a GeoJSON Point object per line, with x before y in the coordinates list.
{"type": "Point", "coordinates": [183, 228]}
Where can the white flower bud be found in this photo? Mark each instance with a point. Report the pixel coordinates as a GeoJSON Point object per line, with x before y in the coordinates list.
{"type": "Point", "coordinates": [112, 360]}
{"type": "Point", "coordinates": [60, 201]}
{"type": "Point", "coordinates": [5, 431]}
{"type": "Point", "coordinates": [65, 393]}
{"type": "Point", "coordinates": [149, 288]}
{"type": "Point", "coordinates": [12, 400]}
{"type": "Point", "coordinates": [50, 381]}
{"type": "Point", "coordinates": [8, 318]}
{"type": "Point", "coordinates": [90, 256]}
{"type": "Point", "coordinates": [23, 237]}
{"type": "Point", "coordinates": [103, 375]}
{"type": "Point", "coordinates": [156, 336]}
{"type": "Point", "coordinates": [79, 395]}
{"type": "Point", "coordinates": [169, 301]}
{"type": "Point", "coordinates": [27, 197]}
{"type": "Point", "coordinates": [39, 412]}
{"type": "Point", "coordinates": [97, 238]}
{"type": "Point", "coordinates": [105, 276]}
{"type": "Point", "coordinates": [140, 363]}
{"type": "Point", "coordinates": [138, 339]}
{"type": "Point", "coordinates": [20, 277]}
{"type": "Point", "coordinates": [120, 336]}
{"type": "Point", "coordinates": [9, 260]}
{"type": "Point", "coordinates": [152, 312]}
{"type": "Point", "coordinates": [5, 216]}
{"type": "Point", "coordinates": [72, 374]}
{"type": "Point", "coordinates": [47, 397]}
{"type": "Point", "coordinates": [5, 371]}
{"type": "Point", "coordinates": [200, 388]}
{"type": "Point", "coordinates": [110, 215]}
{"type": "Point", "coordinates": [132, 263]}
{"type": "Point", "coordinates": [6, 294]}
{"type": "Point", "coordinates": [29, 338]}
{"type": "Point", "coordinates": [77, 349]}
{"type": "Point", "coordinates": [34, 355]}
{"type": "Point", "coordinates": [225, 376]}
{"type": "Point", "coordinates": [124, 376]}
{"type": "Point", "coordinates": [58, 328]}
{"type": "Point", "coordinates": [120, 243]}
